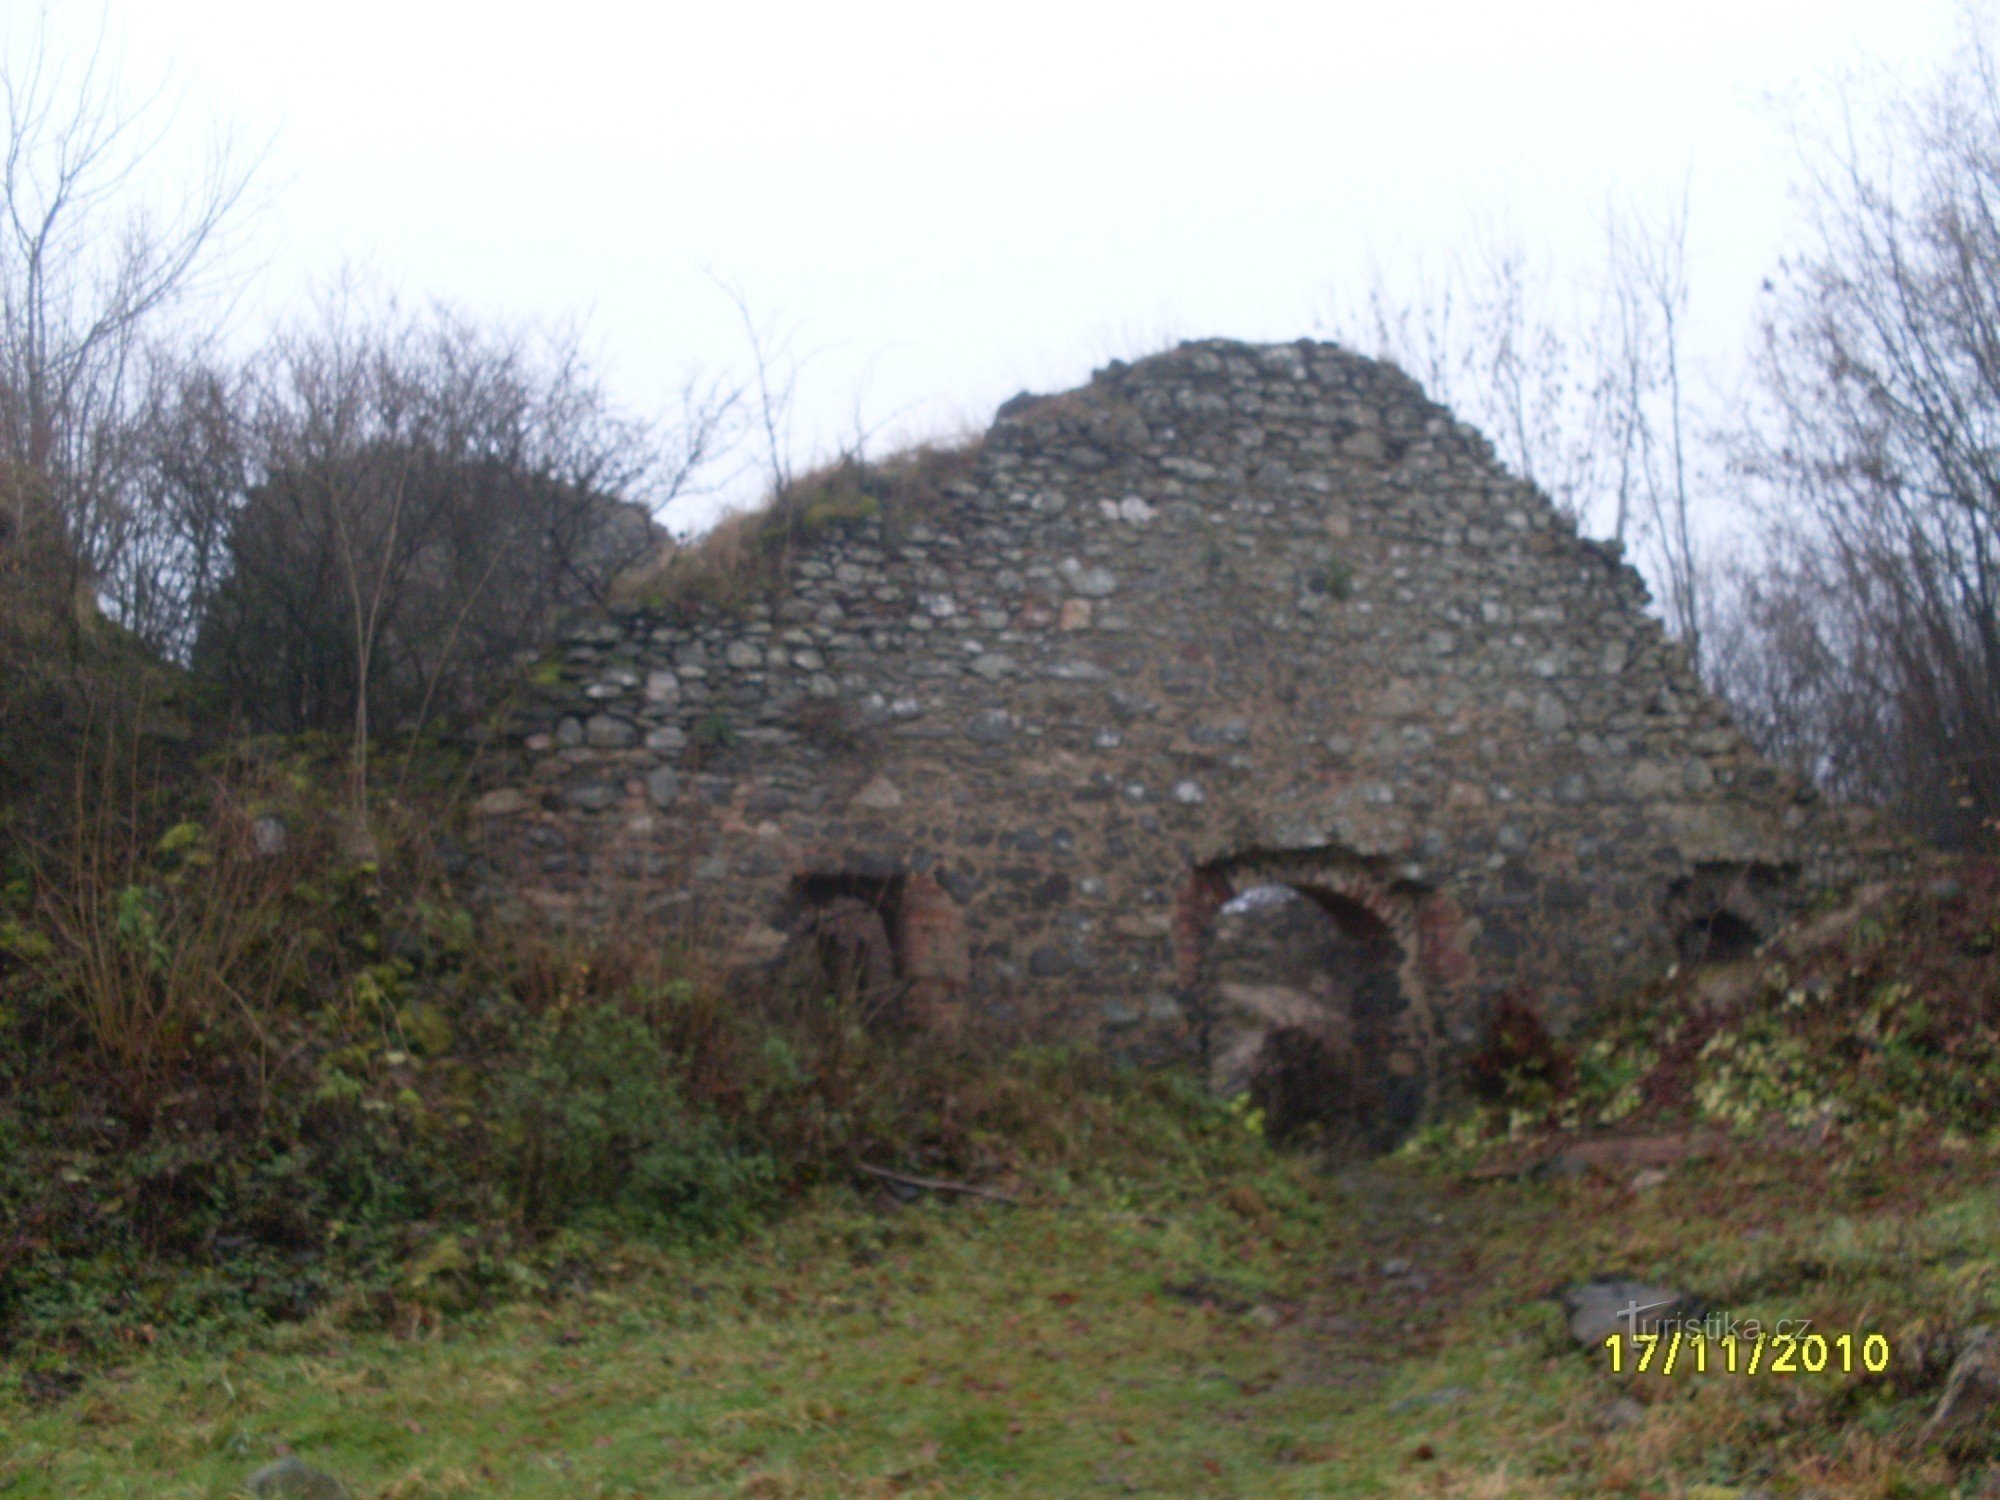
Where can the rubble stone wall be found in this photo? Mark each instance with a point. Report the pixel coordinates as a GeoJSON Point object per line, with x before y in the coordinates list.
{"type": "Point", "coordinates": [1232, 615]}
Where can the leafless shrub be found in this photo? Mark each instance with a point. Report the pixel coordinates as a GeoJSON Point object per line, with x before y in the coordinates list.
{"type": "Point", "coordinates": [1579, 380]}
{"type": "Point", "coordinates": [1876, 627]}
{"type": "Point", "coordinates": [94, 270]}
{"type": "Point", "coordinates": [159, 937]}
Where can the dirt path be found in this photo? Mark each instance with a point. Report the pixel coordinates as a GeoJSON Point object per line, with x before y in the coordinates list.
{"type": "Point", "coordinates": [1406, 1265]}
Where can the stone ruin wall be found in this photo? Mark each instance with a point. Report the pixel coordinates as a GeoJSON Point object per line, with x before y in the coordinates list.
{"type": "Point", "coordinates": [1229, 616]}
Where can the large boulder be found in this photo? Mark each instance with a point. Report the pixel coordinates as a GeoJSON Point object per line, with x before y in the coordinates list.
{"type": "Point", "coordinates": [292, 1479]}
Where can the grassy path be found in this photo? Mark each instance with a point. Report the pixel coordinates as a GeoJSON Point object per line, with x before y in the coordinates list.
{"type": "Point", "coordinates": [1268, 1331]}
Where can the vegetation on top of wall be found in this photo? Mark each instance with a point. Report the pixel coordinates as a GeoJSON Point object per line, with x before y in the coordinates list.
{"type": "Point", "coordinates": [748, 556]}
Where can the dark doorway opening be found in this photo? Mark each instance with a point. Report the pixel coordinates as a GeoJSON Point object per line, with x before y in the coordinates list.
{"type": "Point", "coordinates": [1722, 910]}
{"type": "Point", "coordinates": [1303, 998]}
{"type": "Point", "coordinates": [847, 941]}
{"type": "Point", "coordinates": [1716, 937]}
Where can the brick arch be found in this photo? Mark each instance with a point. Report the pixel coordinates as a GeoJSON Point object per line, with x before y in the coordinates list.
{"type": "Point", "coordinates": [1428, 932]}
{"type": "Point", "coordinates": [1343, 883]}
{"type": "Point", "coordinates": [1334, 881]}
{"type": "Point", "coordinates": [916, 941]}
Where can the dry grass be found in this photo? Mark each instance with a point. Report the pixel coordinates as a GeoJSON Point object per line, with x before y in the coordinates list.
{"type": "Point", "coordinates": [151, 937]}
{"type": "Point", "coordinates": [749, 556]}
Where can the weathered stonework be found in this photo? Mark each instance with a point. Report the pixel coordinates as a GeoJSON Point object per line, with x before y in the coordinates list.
{"type": "Point", "coordinates": [1229, 616]}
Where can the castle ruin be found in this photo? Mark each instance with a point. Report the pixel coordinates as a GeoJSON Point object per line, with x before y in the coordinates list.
{"type": "Point", "coordinates": [1227, 619]}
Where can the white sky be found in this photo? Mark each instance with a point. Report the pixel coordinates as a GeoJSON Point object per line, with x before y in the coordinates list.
{"type": "Point", "coordinates": [950, 203]}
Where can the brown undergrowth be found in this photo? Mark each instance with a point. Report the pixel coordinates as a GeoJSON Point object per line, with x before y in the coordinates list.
{"type": "Point", "coordinates": [1877, 1019]}
{"type": "Point", "coordinates": [241, 1074]}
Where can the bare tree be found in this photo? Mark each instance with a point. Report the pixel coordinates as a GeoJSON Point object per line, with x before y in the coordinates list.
{"type": "Point", "coordinates": [1492, 334]}
{"type": "Point", "coordinates": [775, 368]}
{"type": "Point", "coordinates": [91, 268]}
{"type": "Point", "coordinates": [191, 443]}
{"type": "Point", "coordinates": [412, 502]}
{"type": "Point", "coordinates": [1579, 380]}
{"type": "Point", "coordinates": [1645, 416]}
{"type": "Point", "coordinates": [1805, 675]}
{"type": "Point", "coordinates": [1878, 444]}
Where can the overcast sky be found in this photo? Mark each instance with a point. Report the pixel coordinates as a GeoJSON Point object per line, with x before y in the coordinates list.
{"type": "Point", "coordinates": [950, 203]}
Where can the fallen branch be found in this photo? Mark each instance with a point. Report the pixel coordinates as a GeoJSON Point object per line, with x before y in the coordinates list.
{"type": "Point", "coordinates": [936, 1184]}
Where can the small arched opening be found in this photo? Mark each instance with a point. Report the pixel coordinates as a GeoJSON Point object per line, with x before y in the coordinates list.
{"type": "Point", "coordinates": [1302, 986]}
{"type": "Point", "coordinates": [846, 942]}
{"type": "Point", "coordinates": [1721, 911]}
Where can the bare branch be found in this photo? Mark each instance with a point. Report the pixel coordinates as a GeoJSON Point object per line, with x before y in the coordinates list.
{"type": "Point", "coordinates": [93, 265]}
{"type": "Point", "coordinates": [1871, 651]}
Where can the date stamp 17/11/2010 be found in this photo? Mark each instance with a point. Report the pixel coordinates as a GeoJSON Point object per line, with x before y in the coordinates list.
{"type": "Point", "coordinates": [1690, 1351]}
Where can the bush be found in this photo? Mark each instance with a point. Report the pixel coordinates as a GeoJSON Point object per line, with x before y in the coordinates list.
{"type": "Point", "coordinates": [404, 507]}
{"type": "Point", "coordinates": [153, 945]}
{"type": "Point", "coordinates": [392, 1105]}
{"type": "Point", "coordinates": [593, 1119]}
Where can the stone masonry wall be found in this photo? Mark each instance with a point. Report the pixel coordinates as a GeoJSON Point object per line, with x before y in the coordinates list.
{"type": "Point", "coordinates": [1229, 616]}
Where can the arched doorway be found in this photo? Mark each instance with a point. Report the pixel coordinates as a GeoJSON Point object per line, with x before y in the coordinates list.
{"type": "Point", "coordinates": [1718, 936]}
{"type": "Point", "coordinates": [1305, 985]}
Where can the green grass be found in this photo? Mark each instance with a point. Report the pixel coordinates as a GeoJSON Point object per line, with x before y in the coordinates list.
{"type": "Point", "coordinates": [1217, 1323]}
